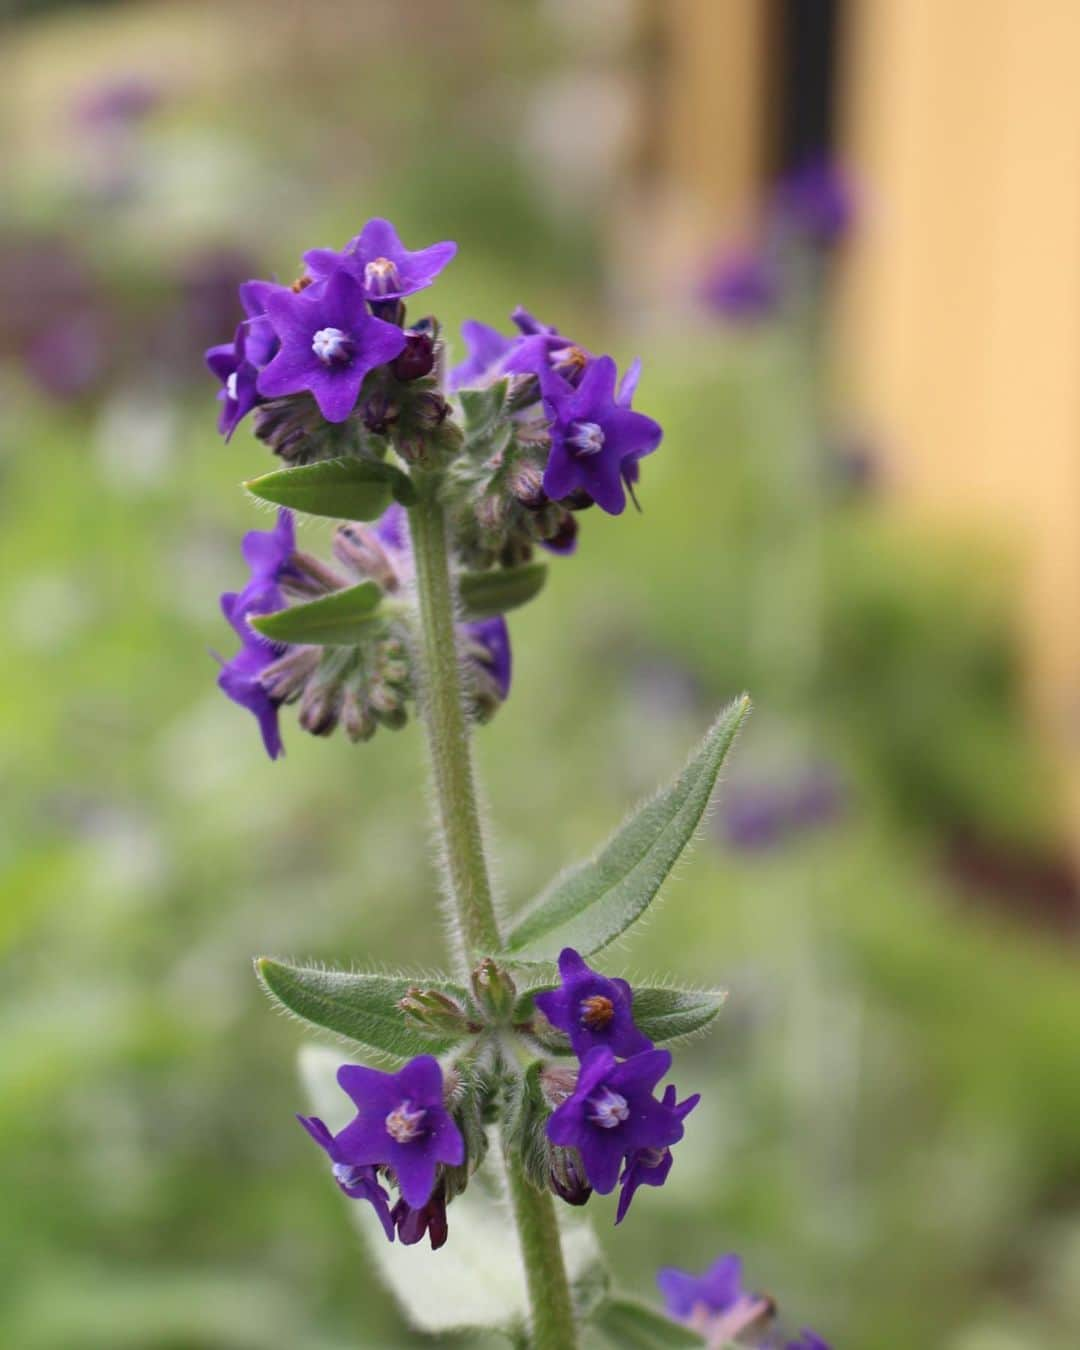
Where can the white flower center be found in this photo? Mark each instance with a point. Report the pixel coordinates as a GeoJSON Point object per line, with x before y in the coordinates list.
{"type": "Point", "coordinates": [381, 277]}
{"type": "Point", "coordinates": [403, 1123]}
{"type": "Point", "coordinates": [608, 1109]}
{"type": "Point", "coordinates": [585, 437]}
{"type": "Point", "coordinates": [347, 1174]}
{"type": "Point", "coordinates": [331, 345]}
{"type": "Point", "coordinates": [230, 387]}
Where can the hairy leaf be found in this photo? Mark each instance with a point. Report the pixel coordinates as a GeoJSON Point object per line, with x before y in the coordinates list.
{"type": "Point", "coordinates": [485, 594]}
{"type": "Point", "coordinates": [591, 904]}
{"type": "Point", "coordinates": [361, 1007]}
{"type": "Point", "coordinates": [339, 619]}
{"type": "Point", "coordinates": [631, 1325]}
{"type": "Point", "coordinates": [348, 488]}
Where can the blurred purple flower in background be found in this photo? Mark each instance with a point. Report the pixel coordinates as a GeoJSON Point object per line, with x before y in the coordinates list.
{"type": "Point", "coordinates": [121, 101]}
{"type": "Point", "coordinates": [755, 816]}
{"type": "Point", "coordinates": [816, 201]}
{"type": "Point", "coordinates": [742, 285]}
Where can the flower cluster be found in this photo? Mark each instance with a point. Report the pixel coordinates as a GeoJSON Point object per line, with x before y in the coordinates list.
{"type": "Point", "coordinates": [716, 1304]}
{"type": "Point", "coordinates": [619, 1132]}
{"type": "Point", "coordinates": [330, 369]}
{"type": "Point", "coordinates": [361, 686]}
{"type": "Point", "coordinates": [402, 1132]}
{"type": "Point", "coordinates": [812, 208]}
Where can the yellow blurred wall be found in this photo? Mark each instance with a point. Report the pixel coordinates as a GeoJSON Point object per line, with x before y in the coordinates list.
{"type": "Point", "coordinates": [960, 334]}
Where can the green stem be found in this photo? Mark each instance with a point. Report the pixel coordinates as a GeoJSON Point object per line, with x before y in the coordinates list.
{"type": "Point", "coordinates": [552, 1311]}
{"type": "Point", "coordinates": [448, 731]}
{"type": "Point", "coordinates": [553, 1325]}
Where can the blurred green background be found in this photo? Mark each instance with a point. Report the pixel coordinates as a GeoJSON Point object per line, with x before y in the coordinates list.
{"type": "Point", "coordinates": [890, 1130]}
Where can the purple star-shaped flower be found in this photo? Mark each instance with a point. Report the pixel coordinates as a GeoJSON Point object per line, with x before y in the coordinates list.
{"type": "Point", "coordinates": [329, 342]}
{"type": "Point", "coordinates": [493, 637]}
{"type": "Point", "coordinates": [742, 286]}
{"type": "Point", "coordinates": [592, 436]}
{"type": "Point", "coordinates": [358, 1180]}
{"type": "Point", "coordinates": [237, 364]}
{"type": "Point", "coordinates": [717, 1289]}
{"type": "Point", "coordinates": [592, 1009]}
{"type": "Point", "coordinates": [612, 1113]}
{"type": "Point", "coordinates": [401, 1123]}
{"type": "Point", "coordinates": [268, 553]}
{"type": "Point", "coordinates": [380, 262]}
{"type": "Point", "coordinates": [430, 1220]}
{"type": "Point", "coordinates": [650, 1166]}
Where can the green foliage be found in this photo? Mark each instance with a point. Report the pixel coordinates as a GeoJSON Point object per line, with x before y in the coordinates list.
{"type": "Point", "coordinates": [629, 1324]}
{"type": "Point", "coordinates": [486, 594]}
{"type": "Point", "coordinates": [341, 619]}
{"type": "Point", "coordinates": [347, 488]}
{"type": "Point", "coordinates": [590, 905]}
{"type": "Point", "coordinates": [361, 1007]}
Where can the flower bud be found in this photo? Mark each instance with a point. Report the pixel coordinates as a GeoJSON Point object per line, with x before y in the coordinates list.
{"type": "Point", "coordinates": [285, 678]}
{"type": "Point", "coordinates": [291, 427]}
{"type": "Point", "coordinates": [557, 1082]}
{"type": "Point", "coordinates": [416, 358]}
{"type": "Point", "coordinates": [567, 1178]}
{"type": "Point", "coordinates": [320, 707]}
{"type": "Point", "coordinates": [379, 413]}
{"type": "Point", "coordinates": [356, 717]}
{"type": "Point", "coordinates": [430, 410]}
{"type": "Point", "coordinates": [494, 989]}
{"type": "Point", "coordinates": [527, 485]}
{"type": "Point", "coordinates": [361, 550]}
{"type": "Point", "coordinates": [522, 392]}
{"type": "Point", "coordinates": [431, 1010]}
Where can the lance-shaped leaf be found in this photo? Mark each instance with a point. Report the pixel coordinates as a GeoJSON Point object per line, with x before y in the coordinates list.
{"type": "Point", "coordinates": [632, 1325]}
{"type": "Point", "coordinates": [591, 904]}
{"type": "Point", "coordinates": [347, 489]}
{"type": "Point", "coordinates": [340, 619]}
{"type": "Point", "coordinates": [662, 1014]}
{"type": "Point", "coordinates": [485, 594]}
{"type": "Point", "coordinates": [358, 1006]}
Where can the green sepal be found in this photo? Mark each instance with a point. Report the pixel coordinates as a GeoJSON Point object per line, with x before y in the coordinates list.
{"type": "Point", "coordinates": [361, 1007]}
{"type": "Point", "coordinates": [486, 594]}
{"type": "Point", "coordinates": [591, 904]}
{"type": "Point", "coordinates": [661, 1013]}
{"type": "Point", "coordinates": [481, 408]}
{"type": "Point", "coordinates": [340, 619]}
{"type": "Point", "coordinates": [631, 1325]}
{"type": "Point", "coordinates": [347, 489]}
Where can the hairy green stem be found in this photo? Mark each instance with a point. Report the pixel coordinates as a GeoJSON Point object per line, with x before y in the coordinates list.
{"type": "Point", "coordinates": [553, 1325]}
{"type": "Point", "coordinates": [470, 885]}
{"type": "Point", "coordinates": [448, 731]}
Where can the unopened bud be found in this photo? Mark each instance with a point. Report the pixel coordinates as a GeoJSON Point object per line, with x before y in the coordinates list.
{"type": "Point", "coordinates": [557, 1082]}
{"type": "Point", "coordinates": [379, 413]}
{"type": "Point", "coordinates": [523, 391]}
{"type": "Point", "coordinates": [527, 485]}
{"type": "Point", "coordinates": [568, 1179]}
{"type": "Point", "coordinates": [430, 410]}
{"type": "Point", "coordinates": [416, 358]}
{"type": "Point", "coordinates": [361, 550]}
{"type": "Point", "coordinates": [308, 576]}
{"type": "Point", "coordinates": [285, 678]}
{"type": "Point", "coordinates": [356, 718]}
{"type": "Point", "coordinates": [291, 427]}
{"type": "Point", "coordinates": [491, 513]}
{"type": "Point", "coordinates": [320, 708]}
{"type": "Point", "coordinates": [494, 989]}
{"type": "Point", "coordinates": [431, 1010]}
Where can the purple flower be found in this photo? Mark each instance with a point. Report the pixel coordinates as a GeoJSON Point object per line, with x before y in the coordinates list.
{"type": "Point", "coordinates": [268, 553]}
{"type": "Point", "coordinates": [742, 286]}
{"type": "Point", "coordinates": [650, 1166]}
{"type": "Point", "coordinates": [121, 101]}
{"type": "Point", "coordinates": [402, 1123]}
{"type": "Point", "coordinates": [486, 348]}
{"type": "Point", "coordinates": [816, 200]}
{"type": "Point", "coordinates": [237, 364]}
{"type": "Point", "coordinates": [592, 436]}
{"type": "Point", "coordinates": [592, 1009]}
{"type": "Point", "coordinates": [492, 638]}
{"type": "Point", "coordinates": [358, 1180]}
{"type": "Point", "coordinates": [612, 1113]}
{"type": "Point", "coordinates": [329, 342]}
{"type": "Point", "coordinates": [383, 266]}
{"type": "Point", "coordinates": [807, 1340]}
{"type": "Point", "coordinates": [430, 1220]}
{"type": "Point", "coordinates": [715, 1302]}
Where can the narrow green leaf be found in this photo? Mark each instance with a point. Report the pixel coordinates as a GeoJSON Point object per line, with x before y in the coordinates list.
{"type": "Point", "coordinates": [591, 904]}
{"type": "Point", "coordinates": [631, 1325]}
{"type": "Point", "coordinates": [485, 594]}
{"type": "Point", "coordinates": [347, 489]}
{"type": "Point", "coordinates": [339, 619]}
{"type": "Point", "coordinates": [361, 1007]}
{"type": "Point", "coordinates": [662, 1014]}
